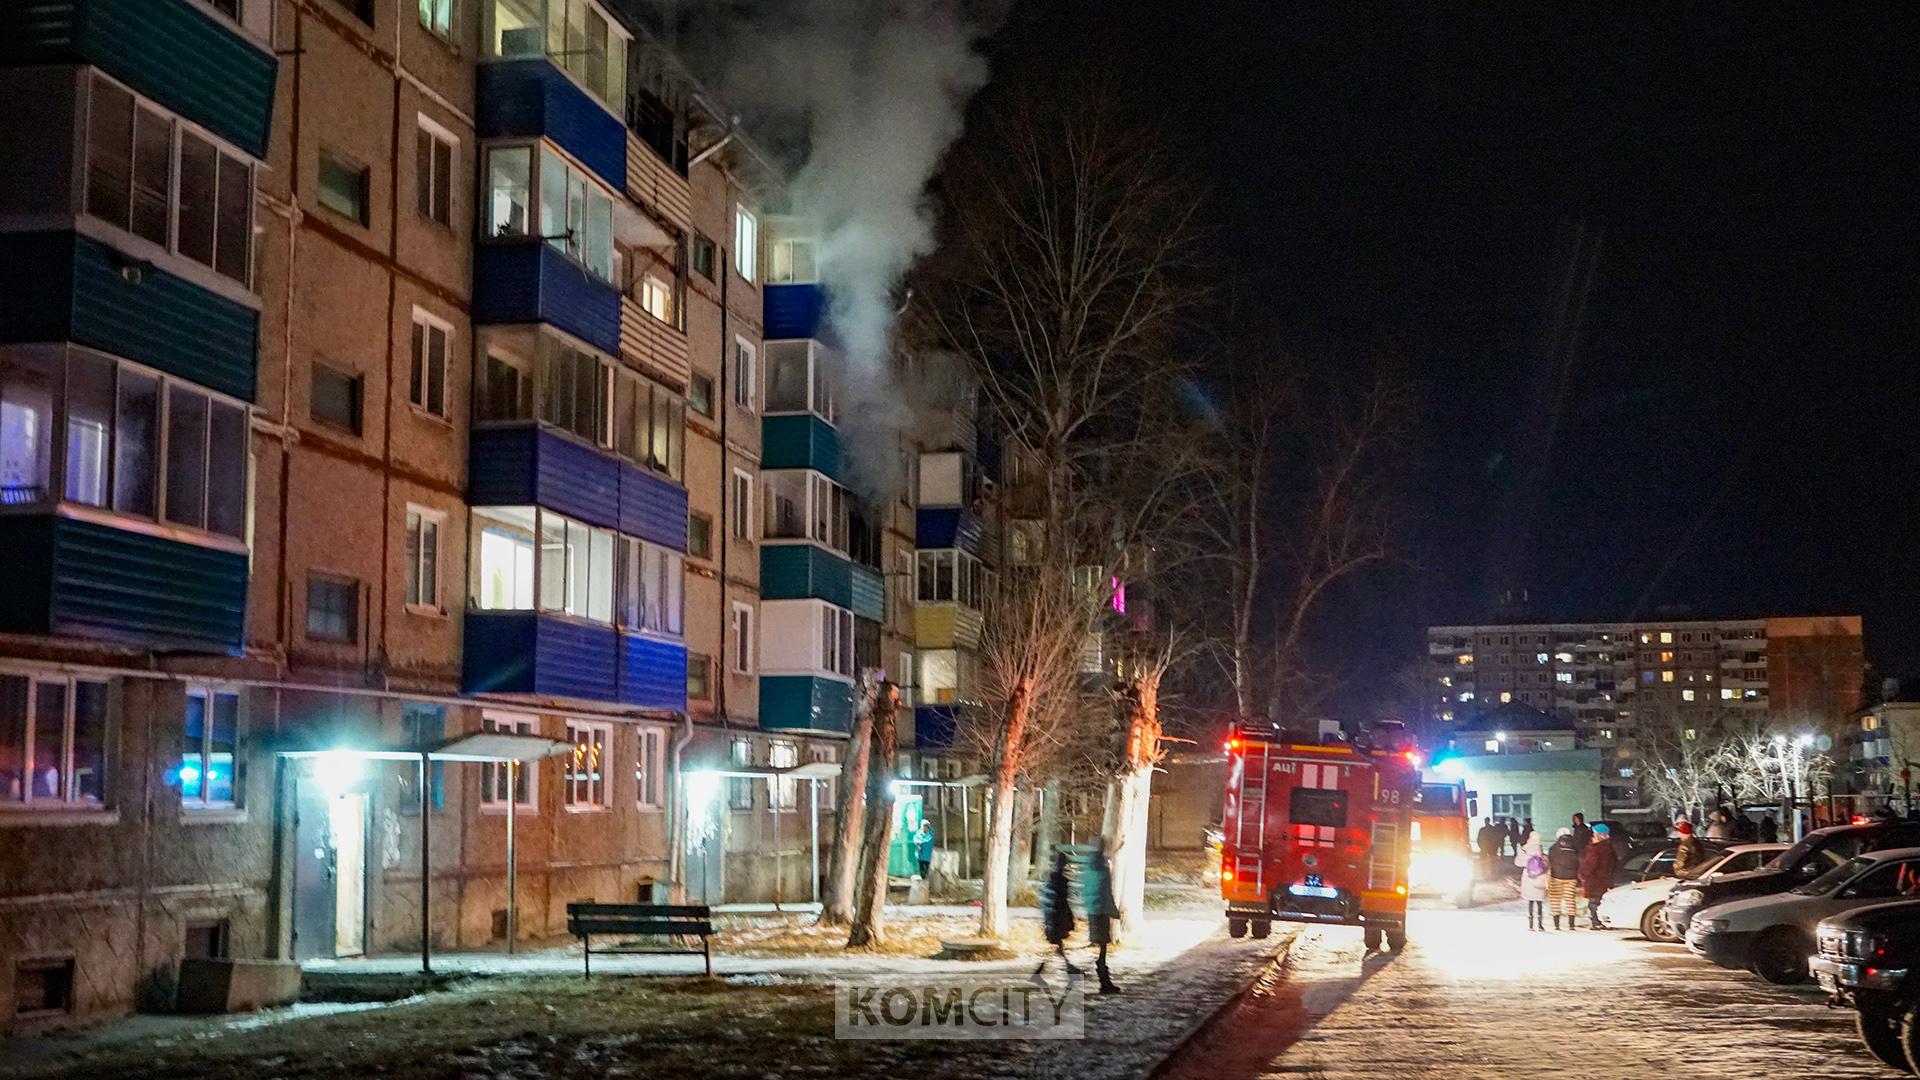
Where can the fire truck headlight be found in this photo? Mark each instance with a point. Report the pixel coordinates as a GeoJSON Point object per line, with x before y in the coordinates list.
{"type": "Point", "coordinates": [1440, 873]}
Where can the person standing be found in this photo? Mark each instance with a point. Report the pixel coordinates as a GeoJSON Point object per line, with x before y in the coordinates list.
{"type": "Point", "coordinates": [1563, 878]}
{"type": "Point", "coordinates": [1597, 867]}
{"type": "Point", "coordinates": [1769, 830]}
{"type": "Point", "coordinates": [1533, 881]}
{"type": "Point", "coordinates": [1688, 854]}
{"type": "Point", "coordinates": [1717, 827]}
{"type": "Point", "coordinates": [1056, 918]}
{"type": "Point", "coordinates": [1096, 895]}
{"type": "Point", "coordinates": [1582, 833]}
{"type": "Point", "coordinates": [1490, 840]}
{"type": "Point", "coordinates": [923, 849]}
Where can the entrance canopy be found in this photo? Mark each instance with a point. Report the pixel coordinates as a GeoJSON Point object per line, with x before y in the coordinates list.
{"type": "Point", "coordinates": [478, 746]}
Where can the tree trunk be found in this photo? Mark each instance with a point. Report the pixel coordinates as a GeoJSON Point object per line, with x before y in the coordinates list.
{"type": "Point", "coordinates": [836, 894]}
{"type": "Point", "coordinates": [1025, 811]}
{"type": "Point", "coordinates": [1128, 796]}
{"type": "Point", "coordinates": [1049, 838]}
{"type": "Point", "coordinates": [869, 918]}
{"type": "Point", "coordinates": [999, 846]}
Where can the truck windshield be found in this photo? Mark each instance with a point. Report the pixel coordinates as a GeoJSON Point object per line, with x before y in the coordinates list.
{"type": "Point", "coordinates": [1437, 799]}
{"type": "Point", "coordinates": [1326, 807]}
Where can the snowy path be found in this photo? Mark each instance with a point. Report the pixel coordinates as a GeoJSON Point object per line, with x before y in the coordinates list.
{"type": "Point", "coordinates": [1478, 995]}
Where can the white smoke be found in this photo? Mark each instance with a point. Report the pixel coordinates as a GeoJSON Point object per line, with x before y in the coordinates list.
{"type": "Point", "coordinates": [870, 94]}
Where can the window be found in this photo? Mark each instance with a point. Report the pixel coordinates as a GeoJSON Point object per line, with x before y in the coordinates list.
{"type": "Point", "coordinates": [427, 374]}
{"type": "Point", "coordinates": [740, 508]}
{"type": "Point", "coordinates": [362, 9]}
{"type": "Point", "coordinates": [586, 766]}
{"type": "Point", "coordinates": [424, 725]}
{"type": "Point", "coordinates": [657, 299]}
{"type": "Point", "coordinates": [1666, 657]}
{"type": "Point", "coordinates": [830, 789]}
{"type": "Point", "coordinates": [344, 187]}
{"type": "Point", "coordinates": [1666, 676]}
{"type": "Point", "coordinates": [836, 640]}
{"type": "Point", "coordinates": [576, 213]}
{"type": "Point", "coordinates": [699, 677]}
{"type": "Point", "coordinates": [652, 581]}
{"type": "Point", "coordinates": [1686, 695]}
{"type": "Point", "coordinates": [649, 768]}
{"type": "Point", "coordinates": [576, 35]}
{"type": "Point", "coordinates": [1691, 734]}
{"type": "Point", "coordinates": [700, 536]}
{"type": "Point", "coordinates": [335, 397]}
{"type": "Point", "coordinates": [949, 576]}
{"type": "Point", "coordinates": [1728, 693]}
{"type": "Point", "coordinates": [210, 765]}
{"type": "Point", "coordinates": [740, 788]}
{"type": "Point", "coordinates": [746, 242]}
{"type": "Point", "coordinates": [437, 16]}
{"type": "Point", "coordinates": [525, 558]}
{"type": "Point", "coordinates": [53, 742]}
{"type": "Point", "coordinates": [702, 254]}
{"type": "Point", "coordinates": [133, 150]}
{"type": "Point", "coordinates": [333, 608]}
{"type": "Point", "coordinates": [1666, 637]}
{"type": "Point", "coordinates": [1506, 696]}
{"type": "Point", "coordinates": [790, 261]}
{"type": "Point", "coordinates": [509, 190]}
{"type": "Point", "coordinates": [1324, 807]}
{"type": "Point", "coordinates": [744, 356]}
{"type": "Point", "coordinates": [433, 150]}
{"type": "Point", "coordinates": [493, 774]}
{"type": "Point", "coordinates": [700, 394]}
{"type": "Point", "coordinates": [42, 988]}
{"type": "Point", "coordinates": [29, 382]}
{"type": "Point", "coordinates": [423, 557]}
{"type": "Point", "coordinates": [742, 639]}
{"type": "Point", "coordinates": [1563, 676]}
{"type": "Point", "coordinates": [782, 754]}
{"type": "Point", "coordinates": [1517, 807]}
{"type": "Point", "coordinates": [903, 678]}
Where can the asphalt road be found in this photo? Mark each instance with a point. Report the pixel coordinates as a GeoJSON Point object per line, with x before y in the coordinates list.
{"type": "Point", "coordinates": [1479, 995]}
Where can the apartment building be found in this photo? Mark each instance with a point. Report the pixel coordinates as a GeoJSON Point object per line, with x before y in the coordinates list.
{"type": "Point", "coordinates": [381, 375]}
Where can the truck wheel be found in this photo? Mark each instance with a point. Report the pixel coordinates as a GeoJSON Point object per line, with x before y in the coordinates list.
{"type": "Point", "coordinates": [1909, 1016]}
{"type": "Point", "coordinates": [1371, 937]}
{"type": "Point", "coordinates": [1653, 924]}
{"type": "Point", "coordinates": [1780, 957]}
{"type": "Point", "coordinates": [1397, 940]}
{"type": "Point", "coordinates": [1261, 929]}
{"type": "Point", "coordinates": [1879, 1024]}
{"type": "Point", "coordinates": [1236, 928]}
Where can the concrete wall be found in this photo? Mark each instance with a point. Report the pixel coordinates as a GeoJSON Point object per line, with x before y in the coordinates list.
{"type": "Point", "coordinates": [1561, 784]}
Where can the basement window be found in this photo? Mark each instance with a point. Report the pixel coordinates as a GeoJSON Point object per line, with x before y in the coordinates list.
{"type": "Point", "coordinates": [206, 939]}
{"type": "Point", "coordinates": [43, 988]}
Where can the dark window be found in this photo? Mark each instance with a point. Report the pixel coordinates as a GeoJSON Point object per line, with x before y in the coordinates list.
{"type": "Point", "coordinates": [699, 677]}
{"type": "Point", "coordinates": [704, 255]}
{"type": "Point", "coordinates": [206, 940]}
{"type": "Point", "coordinates": [700, 394]}
{"type": "Point", "coordinates": [333, 608]}
{"type": "Point", "coordinates": [335, 398]}
{"type": "Point", "coordinates": [425, 725]}
{"type": "Point", "coordinates": [700, 536]}
{"type": "Point", "coordinates": [343, 187]}
{"type": "Point", "coordinates": [362, 9]}
{"type": "Point", "coordinates": [1325, 807]}
{"type": "Point", "coordinates": [433, 173]}
{"type": "Point", "coordinates": [43, 988]}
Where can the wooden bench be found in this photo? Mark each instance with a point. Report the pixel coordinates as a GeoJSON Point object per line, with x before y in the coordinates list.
{"type": "Point", "coordinates": [631, 920]}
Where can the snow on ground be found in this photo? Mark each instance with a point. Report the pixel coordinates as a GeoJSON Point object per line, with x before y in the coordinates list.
{"type": "Point", "coordinates": [1479, 995]}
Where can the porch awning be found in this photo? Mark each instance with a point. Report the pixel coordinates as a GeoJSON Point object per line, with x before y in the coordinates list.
{"type": "Point", "coordinates": [478, 746]}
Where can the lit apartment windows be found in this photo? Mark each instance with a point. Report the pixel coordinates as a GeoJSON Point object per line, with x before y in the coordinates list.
{"type": "Point", "coordinates": [1686, 695]}
{"type": "Point", "coordinates": [333, 608]}
{"type": "Point", "coordinates": [135, 155]}
{"type": "Point", "coordinates": [209, 769]}
{"type": "Point", "coordinates": [1563, 676]}
{"type": "Point", "coordinates": [1506, 696]}
{"type": "Point", "coordinates": [1666, 637]}
{"type": "Point", "coordinates": [575, 212]}
{"type": "Point", "coordinates": [437, 16]}
{"type": "Point", "coordinates": [1728, 693]}
{"type": "Point", "coordinates": [344, 186]}
{"type": "Point", "coordinates": [782, 754]}
{"type": "Point", "coordinates": [578, 36]}
{"type": "Point", "coordinates": [493, 774]}
{"type": "Point", "coordinates": [587, 772]}
{"type": "Point", "coordinates": [53, 742]}
{"type": "Point", "coordinates": [746, 242]}
{"type": "Point", "coordinates": [427, 370]}
{"type": "Point", "coordinates": [1666, 676]}
{"type": "Point", "coordinates": [423, 558]}
{"type": "Point", "coordinates": [572, 562]}
{"type": "Point", "coordinates": [745, 357]}
{"type": "Point", "coordinates": [433, 156]}
{"type": "Point", "coordinates": [652, 582]}
{"type": "Point", "coordinates": [1463, 659]}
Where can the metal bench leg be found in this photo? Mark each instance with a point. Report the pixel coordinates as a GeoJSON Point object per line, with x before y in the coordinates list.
{"type": "Point", "coordinates": [707, 951]}
{"type": "Point", "coordinates": [586, 942]}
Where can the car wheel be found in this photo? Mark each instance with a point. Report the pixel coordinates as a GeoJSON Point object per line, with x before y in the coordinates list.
{"type": "Point", "coordinates": [1236, 928]}
{"type": "Point", "coordinates": [1397, 940]}
{"type": "Point", "coordinates": [1653, 924]}
{"type": "Point", "coordinates": [1371, 937]}
{"type": "Point", "coordinates": [1879, 1025]}
{"type": "Point", "coordinates": [1260, 929]}
{"type": "Point", "coordinates": [1780, 957]}
{"type": "Point", "coordinates": [1909, 1016]}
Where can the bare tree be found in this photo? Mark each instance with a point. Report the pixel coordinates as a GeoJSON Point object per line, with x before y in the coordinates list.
{"type": "Point", "coordinates": [869, 919]}
{"type": "Point", "coordinates": [836, 898]}
{"type": "Point", "coordinates": [1130, 783]}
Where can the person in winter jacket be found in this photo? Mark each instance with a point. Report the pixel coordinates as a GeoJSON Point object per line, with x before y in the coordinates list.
{"type": "Point", "coordinates": [1582, 833]}
{"type": "Point", "coordinates": [1563, 878]}
{"type": "Point", "coordinates": [1718, 827]}
{"type": "Point", "coordinates": [1532, 861]}
{"type": "Point", "coordinates": [1689, 856]}
{"type": "Point", "coordinates": [1491, 840]}
{"type": "Point", "coordinates": [1596, 872]}
{"type": "Point", "coordinates": [923, 848]}
{"type": "Point", "coordinates": [1096, 895]}
{"type": "Point", "coordinates": [1056, 917]}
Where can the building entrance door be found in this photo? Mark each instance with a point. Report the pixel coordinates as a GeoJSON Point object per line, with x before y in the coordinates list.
{"type": "Point", "coordinates": [347, 824]}
{"type": "Point", "coordinates": [329, 873]}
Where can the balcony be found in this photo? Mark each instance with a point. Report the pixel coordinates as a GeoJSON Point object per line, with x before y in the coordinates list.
{"type": "Point", "coordinates": [949, 527]}
{"type": "Point", "coordinates": [654, 183]}
{"type": "Point", "coordinates": [527, 652]}
{"type": "Point", "coordinates": [805, 571]}
{"type": "Point", "coordinates": [648, 343]}
{"type": "Point", "coordinates": [946, 626]}
{"type": "Point", "coordinates": [869, 593]}
{"type": "Point", "coordinates": [63, 286]}
{"type": "Point", "coordinates": [792, 311]}
{"type": "Point", "coordinates": [532, 282]}
{"type": "Point", "coordinates": [934, 726]}
{"type": "Point", "coordinates": [90, 580]}
{"type": "Point", "coordinates": [180, 55]}
{"type": "Point", "coordinates": [534, 466]}
{"type": "Point", "coordinates": [800, 441]}
{"type": "Point", "coordinates": [530, 98]}
{"type": "Point", "coordinates": [806, 703]}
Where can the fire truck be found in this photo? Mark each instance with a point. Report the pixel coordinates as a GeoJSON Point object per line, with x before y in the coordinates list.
{"type": "Point", "coordinates": [1443, 863]}
{"type": "Point", "coordinates": [1317, 833]}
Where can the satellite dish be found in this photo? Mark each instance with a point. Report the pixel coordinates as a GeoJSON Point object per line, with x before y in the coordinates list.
{"type": "Point", "coordinates": [1824, 743]}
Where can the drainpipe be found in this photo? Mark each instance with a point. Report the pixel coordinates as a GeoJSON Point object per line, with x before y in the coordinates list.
{"type": "Point", "coordinates": [677, 811]}
{"type": "Point", "coordinates": [715, 148]}
{"type": "Point", "coordinates": [725, 267]}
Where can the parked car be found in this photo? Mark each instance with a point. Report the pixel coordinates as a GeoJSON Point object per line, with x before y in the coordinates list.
{"type": "Point", "coordinates": [1869, 960]}
{"type": "Point", "coordinates": [1773, 935]}
{"type": "Point", "coordinates": [1654, 860]}
{"type": "Point", "coordinates": [1815, 854]}
{"type": "Point", "coordinates": [1640, 903]}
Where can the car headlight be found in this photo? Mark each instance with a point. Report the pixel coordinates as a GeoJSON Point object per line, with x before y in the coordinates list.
{"type": "Point", "coordinates": [1446, 873]}
{"type": "Point", "coordinates": [1686, 898]}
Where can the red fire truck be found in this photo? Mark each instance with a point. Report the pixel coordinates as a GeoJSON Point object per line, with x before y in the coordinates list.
{"type": "Point", "coordinates": [1317, 833]}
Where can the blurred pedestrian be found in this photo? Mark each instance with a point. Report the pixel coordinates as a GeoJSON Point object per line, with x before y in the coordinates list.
{"type": "Point", "coordinates": [1582, 832]}
{"type": "Point", "coordinates": [1689, 856]}
{"type": "Point", "coordinates": [1717, 825]}
{"type": "Point", "coordinates": [1491, 840]}
{"type": "Point", "coordinates": [1533, 881]}
{"type": "Point", "coordinates": [1597, 867]}
{"type": "Point", "coordinates": [1563, 878]}
{"type": "Point", "coordinates": [1769, 830]}
{"type": "Point", "coordinates": [923, 849]}
{"type": "Point", "coordinates": [1056, 917]}
{"type": "Point", "coordinates": [1096, 895]}
{"type": "Point", "coordinates": [1514, 835]}
{"type": "Point", "coordinates": [1526, 828]}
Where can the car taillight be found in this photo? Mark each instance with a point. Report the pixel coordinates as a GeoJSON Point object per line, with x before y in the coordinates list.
{"type": "Point", "coordinates": [1226, 873]}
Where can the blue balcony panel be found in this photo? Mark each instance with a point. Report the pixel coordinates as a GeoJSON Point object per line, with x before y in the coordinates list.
{"type": "Point", "coordinates": [91, 580]}
{"type": "Point", "coordinates": [531, 98]}
{"type": "Point", "coordinates": [869, 593]}
{"type": "Point", "coordinates": [934, 726]}
{"type": "Point", "coordinates": [62, 286]}
{"type": "Point", "coordinates": [799, 441]}
{"type": "Point", "coordinates": [793, 311]}
{"type": "Point", "coordinates": [652, 507]}
{"type": "Point", "coordinates": [181, 56]}
{"type": "Point", "coordinates": [534, 466]}
{"type": "Point", "coordinates": [805, 703]}
{"type": "Point", "coordinates": [803, 572]}
{"type": "Point", "coordinates": [653, 673]}
{"type": "Point", "coordinates": [532, 282]}
{"type": "Point", "coordinates": [948, 527]}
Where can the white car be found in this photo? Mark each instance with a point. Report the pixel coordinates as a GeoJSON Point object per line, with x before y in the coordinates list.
{"type": "Point", "coordinates": [1640, 903]}
{"type": "Point", "coordinates": [1773, 935]}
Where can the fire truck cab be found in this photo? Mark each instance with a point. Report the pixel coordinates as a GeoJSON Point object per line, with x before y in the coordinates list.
{"type": "Point", "coordinates": [1316, 833]}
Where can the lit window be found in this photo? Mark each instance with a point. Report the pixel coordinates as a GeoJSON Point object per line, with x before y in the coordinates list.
{"type": "Point", "coordinates": [1666, 676]}
{"type": "Point", "coordinates": [208, 773]}
{"type": "Point", "coordinates": [1506, 696]}
{"type": "Point", "coordinates": [1563, 676]}
{"type": "Point", "coordinates": [1692, 734]}
{"type": "Point", "coordinates": [746, 242]}
{"type": "Point", "coordinates": [1466, 695]}
{"type": "Point", "coordinates": [1446, 680]}
{"type": "Point", "coordinates": [1666, 657]}
{"type": "Point", "coordinates": [437, 16]}
{"type": "Point", "coordinates": [1463, 659]}
{"type": "Point", "coordinates": [656, 298]}
{"type": "Point", "coordinates": [587, 767]}
{"type": "Point", "coordinates": [53, 742]}
{"type": "Point", "coordinates": [576, 35]}
{"type": "Point", "coordinates": [1666, 637]}
{"type": "Point", "coordinates": [427, 372]}
{"type": "Point", "coordinates": [1728, 693]}
{"type": "Point", "coordinates": [576, 214]}
{"type": "Point", "coordinates": [423, 557]}
{"type": "Point", "coordinates": [784, 755]}
{"type": "Point", "coordinates": [574, 572]}
{"type": "Point", "coordinates": [493, 774]}
{"type": "Point", "coordinates": [1492, 746]}
{"type": "Point", "coordinates": [1646, 638]}
{"type": "Point", "coordinates": [1564, 657]}
{"type": "Point", "coordinates": [1539, 658]}
{"type": "Point", "coordinates": [1447, 715]}
{"type": "Point", "coordinates": [1686, 695]}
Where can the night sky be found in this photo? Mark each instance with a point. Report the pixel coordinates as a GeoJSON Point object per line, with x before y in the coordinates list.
{"type": "Point", "coordinates": [1732, 432]}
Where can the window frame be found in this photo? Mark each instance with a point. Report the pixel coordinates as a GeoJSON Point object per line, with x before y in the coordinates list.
{"type": "Point", "coordinates": [354, 614]}
{"type": "Point", "coordinates": [433, 190]}
{"type": "Point", "coordinates": [704, 250]}
{"type": "Point", "coordinates": [493, 773]}
{"type": "Point", "coordinates": [591, 792]}
{"type": "Point", "coordinates": [420, 376]}
{"type": "Point", "coordinates": [64, 802]}
{"type": "Point", "coordinates": [447, 14]}
{"type": "Point", "coordinates": [746, 366]}
{"type": "Point", "coordinates": [737, 786]}
{"type": "Point", "coordinates": [740, 507]}
{"type": "Point", "coordinates": [363, 217]}
{"type": "Point", "coordinates": [703, 663]}
{"type": "Point", "coordinates": [746, 243]}
{"type": "Point", "coordinates": [357, 386]}
{"type": "Point", "coordinates": [704, 550]}
{"type": "Point", "coordinates": [209, 693]}
{"type": "Point", "coordinates": [415, 594]}
{"type": "Point", "coordinates": [783, 792]}
{"type": "Point", "coordinates": [697, 379]}
{"type": "Point", "coordinates": [740, 638]}
{"type": "Point", "coordinates": [650, 768]}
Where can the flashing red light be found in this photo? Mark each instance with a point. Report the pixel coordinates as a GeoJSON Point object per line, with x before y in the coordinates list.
{"type": "Point", "coordinates": [1226, 873]}
{"type": "Point", "coordinates": [1233, 744]}
{"type": "Point", "coordinates": [1413, 759]}
{"type": "Point", "coordinates": [1861, 819]}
